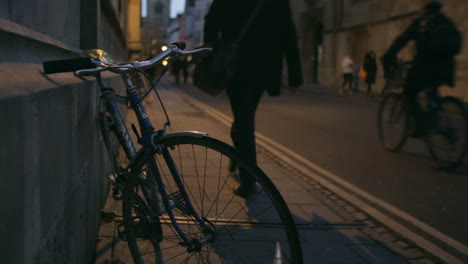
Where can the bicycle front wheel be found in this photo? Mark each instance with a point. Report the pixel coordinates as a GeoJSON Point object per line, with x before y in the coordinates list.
{"type": "Point", "coordinates": [392, 122]}
{"type": "Point", "coordinates": [447, 140]}
{"type": "Point", "coordinates": [258, 229]}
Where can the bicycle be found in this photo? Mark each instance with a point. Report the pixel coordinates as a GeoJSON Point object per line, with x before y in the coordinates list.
{"type": "Point", "coordinates": [177, 200]}
{"type": "Point", "coordinates": [444, 125]}
{"type": "Point", "coordinates": [395, 76]}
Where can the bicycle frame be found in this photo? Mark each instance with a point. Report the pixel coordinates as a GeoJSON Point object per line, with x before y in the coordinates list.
{"type": "Point", "coordinates": [148, 140]}
{"type": "Point", "coordinates": [111, 106]}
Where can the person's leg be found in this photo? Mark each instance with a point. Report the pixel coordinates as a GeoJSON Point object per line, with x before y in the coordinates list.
{"type": "Point", "coordinates": [350, 83]}
{"type": "Point", "coordinates": [176, 77]}
{"type": "Point", "coordinates": [385, 88]}
{"type": "Point", "coordinates": [185, 72]}
{"type": "Point", "coordinates": [244, 100]}
{"type": "Point", "coordinates": [343, 84]}
{"type": "Point", "coordinates": [346, 81]}
{"type": "Point", "coordinates": [412, 87]}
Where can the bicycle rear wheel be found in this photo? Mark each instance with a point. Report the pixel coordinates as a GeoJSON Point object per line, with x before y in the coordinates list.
{"type": "Point", "coordinates": [392, 122]}
{"type": "Point", "coordinates": [252, 230]}
{"type": "Point", "coordinates": [447, 140]}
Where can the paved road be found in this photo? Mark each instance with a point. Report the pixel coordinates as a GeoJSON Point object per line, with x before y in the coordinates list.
{"type": "Point", "coordinates": [338, 133]}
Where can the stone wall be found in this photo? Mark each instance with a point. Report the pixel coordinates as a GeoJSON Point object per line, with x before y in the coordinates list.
{"type": "Point", "coordinates": [354, 27]}
{"type": "Point", "coordinates": [53, 165]}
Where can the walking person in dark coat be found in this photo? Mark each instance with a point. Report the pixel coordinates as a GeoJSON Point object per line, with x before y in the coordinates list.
{"type": "Point", "coordinates": [370, 66]}
{"type": "Point", "coordinates": [270, 38]}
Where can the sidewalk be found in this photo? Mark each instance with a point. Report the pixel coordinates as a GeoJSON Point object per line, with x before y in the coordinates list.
{"type": "Point", "coordinates": [329, 232]}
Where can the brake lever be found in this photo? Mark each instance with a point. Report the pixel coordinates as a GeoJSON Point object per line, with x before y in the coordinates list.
{"type": "Point", "coordinates": [88, 72]}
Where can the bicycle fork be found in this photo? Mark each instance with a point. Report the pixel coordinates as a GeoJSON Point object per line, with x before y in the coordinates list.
{"type": "Point", "coordinates": [187, 207]}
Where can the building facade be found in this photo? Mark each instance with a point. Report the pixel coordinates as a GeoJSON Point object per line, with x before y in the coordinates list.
{"type": "Point", "coordinates": [53, 164]}
{"type": "Point", "coordinates": [192, 22]}
{"type": "Point", "coordinates": [154, 27]}
{"type": "Point", "coordinates": [134, 43]}
{"type": "Point", "coordinates": [331, 29]}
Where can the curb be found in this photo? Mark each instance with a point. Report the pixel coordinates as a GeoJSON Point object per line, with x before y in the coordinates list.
{"type": "Point", "coordinates": [376, 223]}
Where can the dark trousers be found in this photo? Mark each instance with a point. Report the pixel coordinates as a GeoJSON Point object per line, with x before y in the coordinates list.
{"type": "Point", "coordinates": [369, 88]}
{"type": "Point", "coordinates": [347, 79]}
{"type": "Point", "coordinates": [417, 80]}
{"type": "Point", "coordinates": [244, 99]}
{"type": "Point", "coordinates": [177, 76]}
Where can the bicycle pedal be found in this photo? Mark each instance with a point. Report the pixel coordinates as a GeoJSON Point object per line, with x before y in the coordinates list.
{"type": "Point", "coordinates": [108, 216]}
{"type": "Point", "coordinates": [150, 230]}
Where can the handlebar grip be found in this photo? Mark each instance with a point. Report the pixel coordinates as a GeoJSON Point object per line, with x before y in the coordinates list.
{"type": "Point", "coordinates": [69, 65]}
{"type": "Point", "coordinates": [180, 44]}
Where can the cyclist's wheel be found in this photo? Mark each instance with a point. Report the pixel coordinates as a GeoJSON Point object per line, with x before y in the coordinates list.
{"type": "Point", "coordinates": [447, 141]}
{"type": "Point", "coordinates": [259, 229]}
{"type": "Point", "coordinates": [392, 122]}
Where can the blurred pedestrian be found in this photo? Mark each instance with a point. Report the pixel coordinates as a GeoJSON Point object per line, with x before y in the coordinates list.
{"type": "Point", "coordinates": [178, 66]}
{"type": "Point", "coordinates": [270, 38]}
{"type": "Point", "coordinates": [370, 66]}
{"type": "Point", "coordinates": [347, 66]}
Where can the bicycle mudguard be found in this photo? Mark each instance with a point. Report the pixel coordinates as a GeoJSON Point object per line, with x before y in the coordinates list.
{"type": "Point", "coordinates": [196, 134]}
{"type": "Point", "coordinates": [69, 65]}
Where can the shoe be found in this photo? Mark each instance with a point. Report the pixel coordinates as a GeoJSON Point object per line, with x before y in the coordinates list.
{"type": "Point", "coordinates": [246, 191]}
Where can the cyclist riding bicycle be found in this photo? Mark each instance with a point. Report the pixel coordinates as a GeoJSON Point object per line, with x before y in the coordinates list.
{"type": "Point", "coordinates": [437, 42]}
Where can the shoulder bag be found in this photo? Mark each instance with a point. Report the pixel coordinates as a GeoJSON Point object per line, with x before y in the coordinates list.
{"type": "Point", "coordinates": [217, 70]}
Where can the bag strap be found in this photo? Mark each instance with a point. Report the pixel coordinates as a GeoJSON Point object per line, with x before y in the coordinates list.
{"type": "Point", "coordinates": [249, 22]}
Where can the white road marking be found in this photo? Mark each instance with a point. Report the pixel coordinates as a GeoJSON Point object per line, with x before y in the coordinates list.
{"type": "Point", "coordinates": [330, 181]}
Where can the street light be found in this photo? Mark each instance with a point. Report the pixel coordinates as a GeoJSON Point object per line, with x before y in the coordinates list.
{"type": "Point", "coordinates": [164, 48]}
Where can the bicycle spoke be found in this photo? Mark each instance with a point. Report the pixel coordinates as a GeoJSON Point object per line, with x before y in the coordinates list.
{"type": "Point", "coordinates": [448, 139]}
{"type": "Point", "coordinates": [243, 228]}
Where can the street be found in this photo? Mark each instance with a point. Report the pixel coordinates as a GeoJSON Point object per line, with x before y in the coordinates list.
{"type": "Point", "coordinates": [338, 133]}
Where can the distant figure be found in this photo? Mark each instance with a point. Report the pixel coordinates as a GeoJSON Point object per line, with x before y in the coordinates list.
{"type": "Point", "coordinates": [269, 39]}
{"type": "Point", "coordinates": [437, 42]}
{"type": "Point", "coordinates": [347, 68]}
{"type": "Point", "coordinates": [370, 66]}
{"type": "Point", "coordinates": [180, 65]}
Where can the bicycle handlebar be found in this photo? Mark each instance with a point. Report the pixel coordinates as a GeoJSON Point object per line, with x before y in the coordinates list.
{"type": "Point", "coordinates": [91, 66]}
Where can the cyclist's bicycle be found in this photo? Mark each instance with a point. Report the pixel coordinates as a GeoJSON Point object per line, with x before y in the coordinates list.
{"type": "Point", "coordinates": [444, 124]}
{"type": "Point", "coordinates": [178, 204]}
{"type": "Point", "coordinates": [395, 76]}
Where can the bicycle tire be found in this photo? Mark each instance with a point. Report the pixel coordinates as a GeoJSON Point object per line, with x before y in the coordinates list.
{"type": "Point", "coordinates": [139, 220]}
{"type": "Point", "coordinates": [248, 230]}
{"type": "Point", "coordinates": [451, 116]}
{"type": "Point", "coordinates": [397, 118]}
